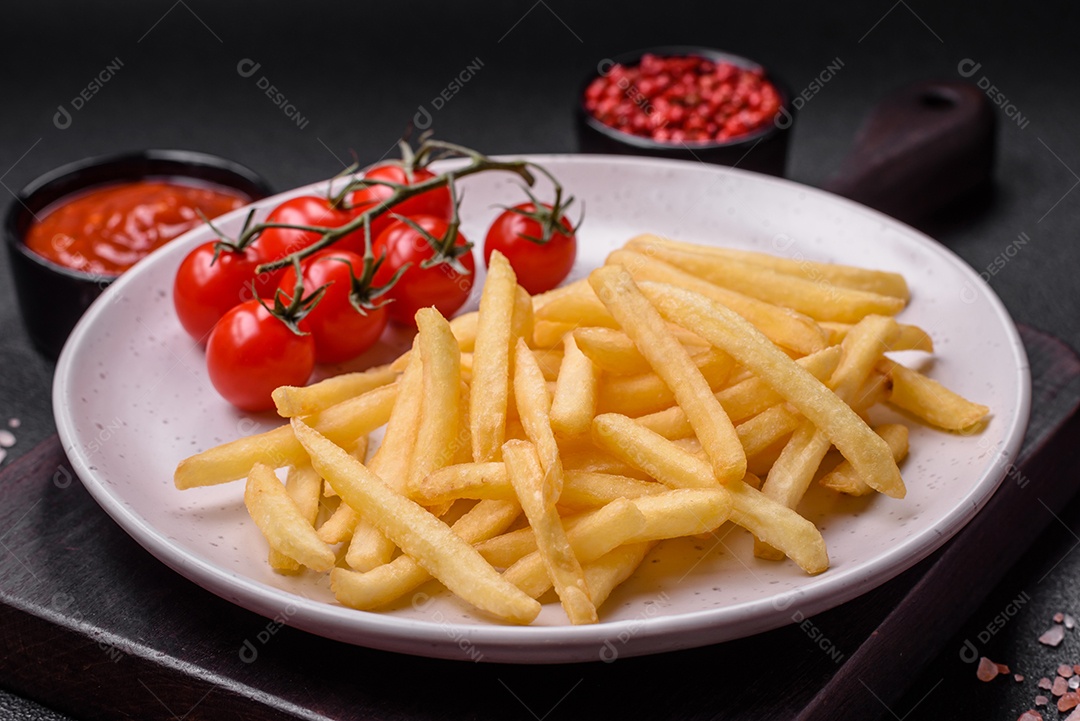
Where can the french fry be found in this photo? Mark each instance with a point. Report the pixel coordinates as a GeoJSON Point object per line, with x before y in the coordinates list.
{"type": "Point", "coordinates": [282, 523]}
{"type": "Point", "coordinates": [391, 463]}
{"type": "Point", "coordinates": [524, 320]}
{"type": "Point", "coordinates": [768, 520]}
{"type": "Point", "coordinates": [766, 428]}
{"type": "Point", "coordinates": [635, 444]}
{"type": "Point", "coordinates": [873, 281]}
{"type": "Point", "coordinates": [463, 480]}
{"type": "Point", "coordinates": [783, 326]}
{"type": "Point", "coordinates": [647, 393]}
{"type": "Point", "coordinates": [594, 460]}
{"type": "Point", "coordinates": [930, 401]}
{"type": "Point", "coordinates": [343, 424]}
{"type": "Point", "coordinates": [439, 426]}
{"type": "Point", "coordinates": [742, 400]}
{"type": "Point", "coordinates": [429, 541]}
{"type": "Point", "coordinates": [534, 410]}
{"type": "Point", "coordinates": [585, 490]}
{"type": "Point", "coordinates": [492, 361]}
{"type": "Point", "coordinates": [573, 404]}
{"type": "Point", "coordinates": [589, 538]}
{"type": "Point", "coordinates": [303, 401]}
{"type": "Point", "coordinates": [816, 298]}
{"type": "Point", "coordinates": [604, 575]}
{"type": "Point", "coordinates": [725, 329]}
{"type": "Point", "coordinates": [615, 287]}
{"type": "Point", "coordinates": [304, 487]}
{"type": "Point", "coordinates": [387, 583]}
{"type": "Point", "coordinates": [537, 498]}
{"type": "Point", "coordinates": [580, 308]}
{"type": "Point", "coordinates": [682, 512]}
{"type": "Point", "coordinates": [843, 478]}
{"type": "Point", "coordinates": [910, 337]}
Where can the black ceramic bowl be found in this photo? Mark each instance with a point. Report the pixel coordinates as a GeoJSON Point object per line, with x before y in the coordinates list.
{"type": "Point", "coordinates": [52, 297]}
{"type": "Point", "coordinates": [763, 150]}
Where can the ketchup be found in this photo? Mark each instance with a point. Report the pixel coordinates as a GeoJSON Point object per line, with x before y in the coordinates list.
{"type": "Point", "coordinates": [106, 229]}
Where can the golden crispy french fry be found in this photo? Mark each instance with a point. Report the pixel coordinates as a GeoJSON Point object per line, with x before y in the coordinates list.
{"type": "Point", "coordinates": [930, 401]}
{"type": "Point", "coordinates": [844, 479]}
{"type": "Point", "coordinates": [343, 423]}
{"type": "Point", "coordinates": [613, 352]}
{"type": "Point", "coordinates": [505, 550]}
{"type": "Point", "coordinates": [580, 308]}
{"type": "Point", "coordinates": [580, 286]}
{"type": "Point", "coordinates": [640, 320]}
{"type": "Point", "coordinates": [743, 400]}
{"type": "Point", "coordinates": [592, 536]}
{"type": "Point", "coordinates": [604, 575]}
{"type": "Point", "coordinates": [573, 404]}
{"type": "Point", "coordinates": [303, 401]}
{"type": "Point", "coordinates": [524, 316]}
{"type": "Point", "coordinates": [463, 480]}
{"type": "Point", "coordinates": [769, 521]}
{"type": "Point", "coordinates": [794, 470]}
{"type": "Point", "coordinates": [584, 490]}
{"type": "Point", "coordinates": [636, 445]}
{"type": "Point", "coordinates": [647, 393]}
{"type": "Point", "coordinates": [391, 463]}
{"type": "Point", "coordinates": [429, 541]}
{"type": "Point", "coordinates": [817, 298]}
{"type": "Point", "coordinates": [783, 326]}
{"type": "Point", "coordinates": [534, 410]}
{"type": "Point", "coordinates": [304, 487]}
{"type": "Point", "coordinates": [492, 362]}
{"type": "Point", "coordinates": [766, 428]}
{"type": "Point", "coordinates": [910, 337]}
{"type": "Point", "coordinates": [549, 334]}
{"type": "Point", "coordinates": [594, 460]}
{"type": "Point", "coordinates": [437, 433]}
{"type": "Point", "coordinates": [537, 498]}
{"type": "Point", "coordinates": [730, 332]}
{"type": "Point", "coordinates": [389, 582]}
{"type": "Point", "coordinates": [359, 452]}
{"type": "Point", "coordinates": [281, 522]}
{"type": "Point", "coordinates": [682, 512]}
{"type": "Point", "coordinates": [873, 281]}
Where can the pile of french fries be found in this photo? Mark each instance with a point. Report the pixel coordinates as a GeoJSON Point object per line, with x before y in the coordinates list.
{"type": "Point", "coordinates": [548, 443]}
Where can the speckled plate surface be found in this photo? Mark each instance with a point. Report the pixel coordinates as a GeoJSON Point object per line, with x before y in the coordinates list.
{"type": "Point", "coordinates": [131, 399]}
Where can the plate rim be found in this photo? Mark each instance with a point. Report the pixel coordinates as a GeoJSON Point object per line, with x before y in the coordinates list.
{"type": "Point", "coordinates": [551, 644]}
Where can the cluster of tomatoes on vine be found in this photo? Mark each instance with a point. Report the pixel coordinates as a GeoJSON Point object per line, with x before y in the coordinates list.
{"type": "Point", "coordinates": [320, 278]}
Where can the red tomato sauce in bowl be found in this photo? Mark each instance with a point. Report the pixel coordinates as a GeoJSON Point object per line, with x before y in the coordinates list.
{"type": "Point", "coordinates": [106, 229]}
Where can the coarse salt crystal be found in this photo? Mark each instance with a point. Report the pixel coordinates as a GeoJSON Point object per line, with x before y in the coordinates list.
{"type": "Point", "coordinates": [987, 671]}
{"type": "Point", "coordinates": [1069, 701]}
{"type": "Point", "coordinates": [1074, 682]}
{"type": "Point", "coordinates": [7, 438]}
{"type": "Point", "coordinates": [1019, 677]}
{"type": "Point", "coordinates": [1031, 715]}
{"type": "Point", "coordinates": [14, 423]}
{"type": "Point", "coordinates": [1065, 670]}
{"type": "Point", "coordinates": [1059, 617]}
{"type": "Point", "coordinates": [1060, 687]}
{"type": "Point", "coordinates": [1070, 622]}
{"type": "Point", "coordinates": [1002, 668]}
{"type": "Point", "coordinates": [1053, 636]}
{"type": "Point", "coordinates": [1044, 683]}
{"type": "Point", "coordinates": [1041, 700]}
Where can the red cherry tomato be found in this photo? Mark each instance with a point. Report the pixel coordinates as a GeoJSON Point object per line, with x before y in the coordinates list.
{"type": "Point", "coordinates": [276, 243]}
{"type": "Point", "coordinates": [435, 202]}
{"type": "Point", "coordinates": [341, 331]}
{"type": "Point", "coordinates": [447, 281]}
{"type": "Point", "coordinates": [250, 353]}
{"type": "Point", "coordinates": [205, 288]}
{"type": "Point", "coordinates": [517, 233]}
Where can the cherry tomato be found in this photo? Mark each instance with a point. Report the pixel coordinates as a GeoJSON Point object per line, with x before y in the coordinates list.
{"type": "Point", "coordinates": [447, 281]}
{"type": "Point", "coordinates": [250, 353]}
{"type": "Point", "coordinates": [519, 234]}
{"type": "Point", "coordinates": [276, 243]}
{"type": "Point", "coordinates": [435, 202]}
{"type": "Point", "coordinates": [341, 331]}
{"type": "Point", "coordinates": [205, 288]}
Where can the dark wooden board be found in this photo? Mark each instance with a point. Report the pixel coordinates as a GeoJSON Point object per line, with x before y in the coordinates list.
{"type": "Point", "coordinates": [93, 625]}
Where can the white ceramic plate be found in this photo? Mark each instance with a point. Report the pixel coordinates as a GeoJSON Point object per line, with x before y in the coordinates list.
{"type": "Point", "coordinates": [132, 399]}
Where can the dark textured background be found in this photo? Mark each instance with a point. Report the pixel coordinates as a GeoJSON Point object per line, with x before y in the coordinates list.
{"type": "Point", "coordinates": [358, 72]}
